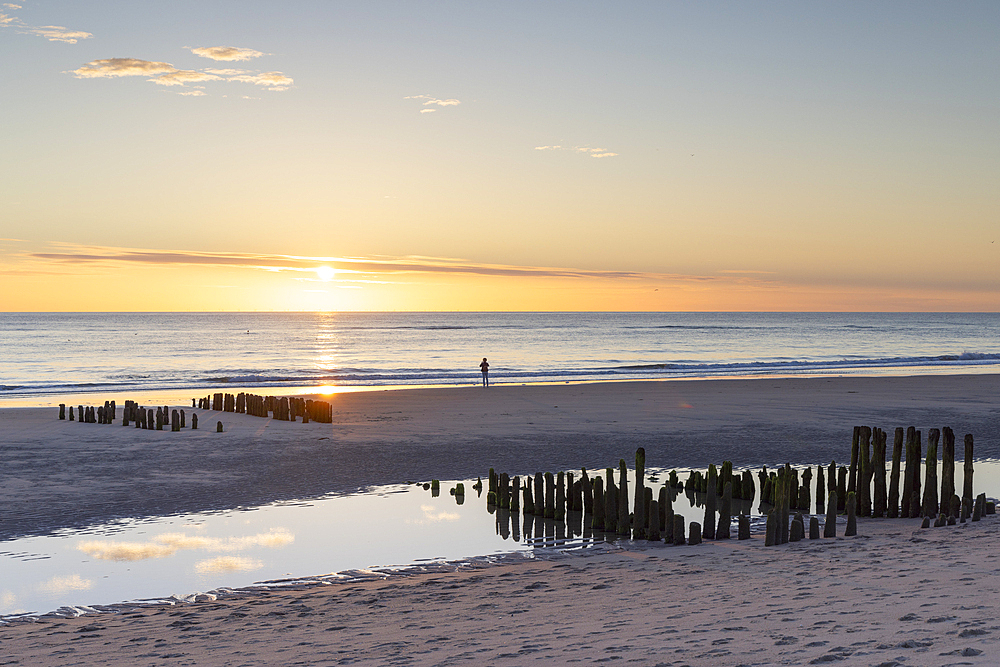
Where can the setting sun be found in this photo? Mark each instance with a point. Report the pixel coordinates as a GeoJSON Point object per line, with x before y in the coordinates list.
{"type": "Point", "coordinates": [325, 273]}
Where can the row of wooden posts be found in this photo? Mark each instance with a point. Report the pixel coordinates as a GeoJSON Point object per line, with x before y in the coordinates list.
{"type": "Point", "coordinates": [144, 418]}
{"type": "Point", "coordinates": [282, 408]}
{"type": "Point", "coordinates": [858, 490]}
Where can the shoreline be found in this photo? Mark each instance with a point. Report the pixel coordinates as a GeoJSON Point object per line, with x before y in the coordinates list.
{"type": "Point", "coordinates": [180, 397]}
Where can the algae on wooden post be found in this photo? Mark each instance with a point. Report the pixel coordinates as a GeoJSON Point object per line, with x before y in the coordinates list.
{"type": "Point", "coordinates": [529, 499]}
{"type": "Point", "coordinates": [771, 529]}
{"type": "Point", "coordinates": [830, 529]}
{"type": "Point", "coordinates": [967, 469]}
{"type": "Point", "coordinates": [947, 468]}
{"type": "Point", "coordinates": [852, 515]}
{"type": "Point", "coordinates": [897, 455]}
{"type": "Point", "coordinates": [929, 506]}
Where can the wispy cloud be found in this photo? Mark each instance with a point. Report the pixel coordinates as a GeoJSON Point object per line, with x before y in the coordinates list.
{"type": "Point", "coordinates": [587, 150]}
{"type": "Point", "coordinates": [227, 564]}
{"type": "Point", "coordinates": [61, 584]}
{"type": "Point", "coordinates": [166, 74]}
{"type": "Point", "coordinates": [168, 544]}
{"type": "Point", "coordinates": [432, 101]}
{"type": "Point", "coordinates": [53, 33]}
{"type": "Point", "coordinates": [351, 267]}
{"type": "Point", "coordinates": [228, 53]}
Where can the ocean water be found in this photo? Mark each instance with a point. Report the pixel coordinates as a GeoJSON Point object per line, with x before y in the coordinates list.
{"type": "Point", "coordinates": [44, 355]}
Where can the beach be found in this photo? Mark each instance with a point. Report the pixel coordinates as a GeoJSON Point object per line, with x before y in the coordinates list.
{"type": "Point", "coordinates": [720, 603]}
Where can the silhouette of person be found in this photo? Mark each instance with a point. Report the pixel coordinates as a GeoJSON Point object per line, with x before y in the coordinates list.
{"type": "Point", "coordinates": [485, 368]}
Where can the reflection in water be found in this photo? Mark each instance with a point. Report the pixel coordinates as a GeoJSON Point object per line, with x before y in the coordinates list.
{"type": "Point", "coordinates": [228, 564]}
{"type": "Point", "coordinates": [62, 584]}
{"type": "Point", "coordinates": [168, 544]}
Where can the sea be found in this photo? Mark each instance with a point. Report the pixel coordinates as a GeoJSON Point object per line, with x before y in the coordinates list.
{"type": "Point", "coordinates": [46, 355]}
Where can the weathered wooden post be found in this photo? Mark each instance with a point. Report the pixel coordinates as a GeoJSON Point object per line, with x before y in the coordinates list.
{"type": "Point", "coordinates": [639, 506]}
{"type": "Point", "coordinates": [539, 495]}
{"type": "Point", "coordinates": [694, 534]}
{"type": "Point", "coordinates": [915, 497]}
{"type": "Point", "coordinates": [653, 529]}
{"type": "Point", "coordinates": [830, 529]}
{"type": "Point", "coordinates": [667, 512]}
{"type": "Point", "coordinates": [515, 496]}
{"type": "Point", "coordinates": [550, 496]}
{"type": "Point", "coordinates": [725, 513]}
{"type": "Point", "coordinates": [979, 508]}
{"type": "Point", "coordinates": [852, 515]}
{"type": "Point", "coordinates": [904, 510]}
{"type": "Point", "coordinates": [879, 505]}
{"type": "Point", "coordinates": [841, 488]}
{"type": "Point", "coordinates": [218, 427]}
{"type": "Point", "coordinates": [967, 469]}
{"type": "Point", "coordinates": [865, 473]}
{"type": "Point", "coordinates": [588, 492]}
{"type": "Point", "coordinates": [929, 506]}
{"type": "Point", "coordinates": [804, 489]}
{"type": "Point", "coordinates": [813, 528]}
{"type": "Point", "coordinates": [610, 501]}
{"type": "Point", "coordinates": [598, 487]}
{"type": "Point", "coordinates": [798, 529]}
{"type": "Point", "coordinates": [947, 469]}
{"type": "Point", "coordinates": [624, 520]}
{"type": "Point", "coordinates": [559, 513]}
{"type": "Point", "coordinates": [183, 419]}
{"type": "Point", "coordinates": [771, 528]}
{"type": "Point", "coordinates": [852, 483]}
{"type": "Point", "coordinates": [678, 530]}
{"type": "Point", "coordinates": [504, 495]}
{"type": "Point", "coordinates": [743, 532]}
{"type": "Point", "coordinates": [710, 504]}
{"type": "Point", "coordinates": [820, 490]}
{"type": "Point", "coordinates": [62, 411]}
{"type": "Point", "coordinates": [897, 455]}
{"type": "Point", "coordinates": [175, 421]}
{"type": "Point", "coordinates": [529, 499]}
{"type": "Point", "coordinates": [194, 421]}
{"type": "Point", "coordinates": [749, 493]}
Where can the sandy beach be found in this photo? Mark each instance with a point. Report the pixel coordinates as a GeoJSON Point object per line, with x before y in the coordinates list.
{"type": "Point", "coordinates": [57, 474]}
{"type": "Point", "coordinates": [893, 595]}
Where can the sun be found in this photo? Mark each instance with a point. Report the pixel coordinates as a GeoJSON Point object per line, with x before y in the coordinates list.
{"type": "Point", "coordinates": [325, 273]}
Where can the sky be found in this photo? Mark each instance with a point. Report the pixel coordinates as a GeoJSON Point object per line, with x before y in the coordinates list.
{"type": "Point", "coordinates": [644, 156]}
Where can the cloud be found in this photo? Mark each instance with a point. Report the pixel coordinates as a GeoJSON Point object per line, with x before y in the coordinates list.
{"type": "Point", "coordinates": [227, 564]}
{"type": "Point", "coordinates": [53, 33]}
{"type": "Point", "coordinates": [431, 515]}
{"type": "Point", "coordinates": [272, 80]}
{"type": "Point", "coordinates": [433, 101]}
{"type": "Point", "coordinates": [182, 76]}
{"type": "Point", "coordinates": [351, 266]}
{"type": "Point", "coordinates": [228, 53]}
{"type": "Point", "coordinates": [72, 582]}
{"type": "Point", "coordinates": [57, 33]}
{"type": "Point", "coordinates": [124, 551]}
{"type": "Point", "coordinates": [192, 93]}
{"type": "Point", "coordinates": [587, 150]}
{"type": "Point", "coordinates": [117, 67]}
{"type": "Point", "coordinates": [165, 74]}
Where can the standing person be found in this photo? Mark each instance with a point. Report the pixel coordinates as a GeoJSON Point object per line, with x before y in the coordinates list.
{"type": "Point", "coordinates": [485, 368]}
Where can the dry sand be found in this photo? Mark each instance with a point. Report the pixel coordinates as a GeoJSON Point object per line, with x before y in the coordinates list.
{"type": "Point", "coordinates": [894, 595]}
{"type": "Point", "coordinates": [715, 604]}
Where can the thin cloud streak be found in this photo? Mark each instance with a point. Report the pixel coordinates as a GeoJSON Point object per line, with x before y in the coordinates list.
{"type": "Point", "coordinates": [165, 74]}
{"type": "Point", "coordinates": [53, 33]}
{"type": "Point", "coordinates": [353, 265]}
{"type": "Point", "coordinates": [227, 53]}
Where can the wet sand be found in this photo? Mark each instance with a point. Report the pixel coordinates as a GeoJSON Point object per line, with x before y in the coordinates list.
{"type": "Point", "coordinates": [58, 474]}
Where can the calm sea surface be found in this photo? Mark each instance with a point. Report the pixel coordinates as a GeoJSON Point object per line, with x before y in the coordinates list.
{"type": "Point", "coordinates": [50, 354]}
